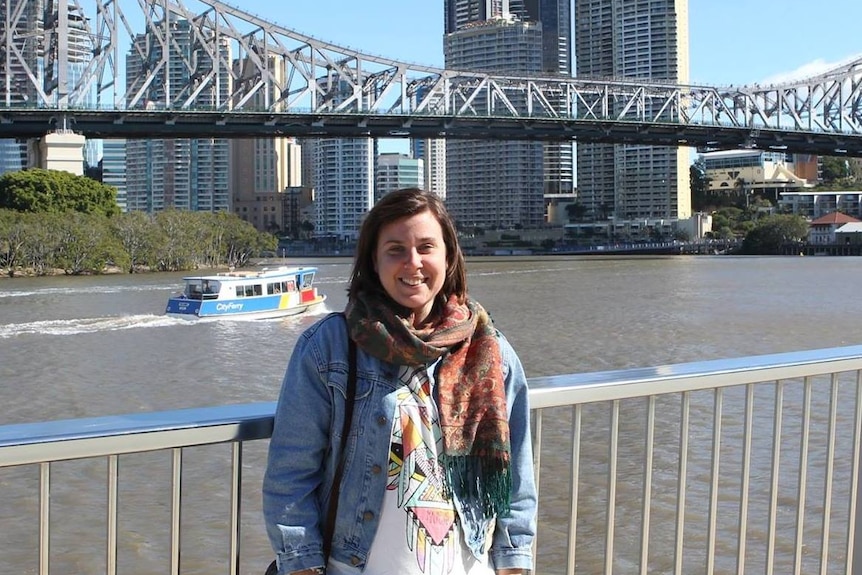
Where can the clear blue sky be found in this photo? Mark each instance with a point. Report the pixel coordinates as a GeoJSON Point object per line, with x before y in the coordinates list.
{"type": "Point", "coordinates": [731, 41]}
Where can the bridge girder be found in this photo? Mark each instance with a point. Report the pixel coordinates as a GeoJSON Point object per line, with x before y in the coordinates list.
{"type": "Point", "coordinates": [283, 72]}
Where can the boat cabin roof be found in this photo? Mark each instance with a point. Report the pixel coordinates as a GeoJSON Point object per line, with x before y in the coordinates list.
{"type": "Point", "coordinates": [263, 273]}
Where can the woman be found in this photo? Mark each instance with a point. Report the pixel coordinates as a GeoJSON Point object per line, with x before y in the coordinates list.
{"type": "Point", "coordinates": [437, 470]}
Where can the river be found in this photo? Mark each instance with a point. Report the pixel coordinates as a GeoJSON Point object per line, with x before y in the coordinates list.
{"type": "Point", "coordinates": [75, 347]}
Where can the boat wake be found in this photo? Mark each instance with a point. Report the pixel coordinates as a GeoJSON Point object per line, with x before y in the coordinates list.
{"type": "Point", "coordinates": [96, 289]}
{"type": "Point", "coordinates": [88, 325]}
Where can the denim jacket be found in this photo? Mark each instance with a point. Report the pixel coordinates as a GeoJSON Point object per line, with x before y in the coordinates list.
{"type": "Point", "coordinates": [303, 455]}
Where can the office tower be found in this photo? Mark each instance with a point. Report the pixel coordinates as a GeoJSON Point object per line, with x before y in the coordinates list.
{"type": "Point", "coordinates": [494, 184]}
{"type": "Point", "coordinates": [57, 62]}
{"type": "Point", "coordinates": [114, 168]}
{"type": "Point", "coordinates": [398, 171]}
{"type": "Point", "coordinates": [646, 41]}
{"type": "Point", "coordinates": [188, 174]}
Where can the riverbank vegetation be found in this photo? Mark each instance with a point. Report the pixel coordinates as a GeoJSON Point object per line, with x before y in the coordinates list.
{"type": "Point", "coordinates": [54, 222]}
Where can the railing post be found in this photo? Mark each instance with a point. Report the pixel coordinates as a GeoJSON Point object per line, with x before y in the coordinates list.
{"type": "Point", "coordinates": [854, 554]}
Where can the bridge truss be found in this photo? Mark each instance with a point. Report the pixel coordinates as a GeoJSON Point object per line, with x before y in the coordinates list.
{"type": "Point", "coordinates": [203, 68]}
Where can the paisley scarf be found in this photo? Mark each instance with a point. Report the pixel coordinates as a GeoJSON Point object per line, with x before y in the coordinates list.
{"type": "Point", "coordinates": [471, 395]}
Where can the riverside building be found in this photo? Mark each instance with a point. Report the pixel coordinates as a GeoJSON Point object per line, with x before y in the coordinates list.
{"type": "Point", "coordinates": [397, 171]}
{"type": "Point", "coordinates": [493, 184]}
{"type": "Point", "coordinates": [342, 175]}
{"type": "Point", "coordinates": [188, 174]}
{"type": "Point", "coordinates": [263, 169]}
{"type": "Point", "coordinates": [640, 40]}
{"type": "Point", "coordinates": [753, 172]}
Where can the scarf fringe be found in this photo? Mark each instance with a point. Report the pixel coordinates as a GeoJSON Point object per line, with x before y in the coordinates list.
{"type": "Point", "coordinates": [480, 483]}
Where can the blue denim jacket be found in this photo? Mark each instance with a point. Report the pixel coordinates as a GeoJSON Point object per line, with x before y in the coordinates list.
{"type": "Point", "coordinates": [304, 448]}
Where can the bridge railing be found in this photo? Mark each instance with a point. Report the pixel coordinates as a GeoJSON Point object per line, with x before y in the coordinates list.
{"type": "Point", "coordinates": [733, 466]}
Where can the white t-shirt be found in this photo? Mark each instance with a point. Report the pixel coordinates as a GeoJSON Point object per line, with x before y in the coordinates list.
{"type": "Point", "coordinates": [419, 532]}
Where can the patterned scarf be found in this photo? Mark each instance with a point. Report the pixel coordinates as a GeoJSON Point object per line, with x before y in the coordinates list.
{"type": "Point", "coordinates": [471, 394]}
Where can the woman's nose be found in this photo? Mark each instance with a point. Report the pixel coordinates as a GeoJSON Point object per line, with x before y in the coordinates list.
{"type": "Point", "coordinates": [414, 258]}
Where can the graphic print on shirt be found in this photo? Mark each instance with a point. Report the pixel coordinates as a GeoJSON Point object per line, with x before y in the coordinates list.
{"type": "Point", "coordinates": [417, 477]}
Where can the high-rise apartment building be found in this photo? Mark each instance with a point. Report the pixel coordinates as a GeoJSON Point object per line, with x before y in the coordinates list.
{"type": "Point", "coordinates": [432, 152]}
{"type": "Point", "coordinates": [114, 168]}
{"type": "Point", "coordinates": [507, 37]}
{"type": "Point", "coordinates": [645, 41]}
{"type": "Point", "coordinates": [343, 180]}
{"type": "Point", "coordinates": [188, 174]}
{"type": "Point", "coordinates": [343, 185]}
{"type": "Point", "coordinates": [489, 183]}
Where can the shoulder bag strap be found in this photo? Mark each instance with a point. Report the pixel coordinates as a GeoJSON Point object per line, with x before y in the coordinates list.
{"type": "Point", "coordinates": [339, 470]}
{"type": "Point", "coordinates": [272, 569]}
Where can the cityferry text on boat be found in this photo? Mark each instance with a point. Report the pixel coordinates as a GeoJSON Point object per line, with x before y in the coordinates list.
{"type": "Point", "coordinates": [265, 293]}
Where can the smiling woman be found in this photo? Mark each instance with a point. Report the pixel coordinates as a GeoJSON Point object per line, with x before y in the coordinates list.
{"type": "Point", "coordinates": [438, 456]}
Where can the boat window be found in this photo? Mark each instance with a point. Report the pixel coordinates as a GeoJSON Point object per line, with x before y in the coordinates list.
{"type": "Point", "coordinates": [258, 289]}
{"type": "Point", "coordinates": [307, 280]}
{"type": "Point", "coordinates": [249, 290]}
{"type": "Point", "coordinates": [240, 291]}
{"type": "Point", "coordinates": [211, 289]}
{"type": "Point", "coordinates": [193, 289]}
{"type": "Point", "coordinates": [290, 285]}
{"type": "Point", "coordinates": [273, 288]}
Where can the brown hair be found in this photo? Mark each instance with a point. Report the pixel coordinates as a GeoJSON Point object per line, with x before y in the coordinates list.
{"type": "Point", "coordinates": [394, 206]}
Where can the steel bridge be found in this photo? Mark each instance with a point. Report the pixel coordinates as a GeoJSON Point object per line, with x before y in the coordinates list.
{"type": "Point", "coordinates": [204, 68]}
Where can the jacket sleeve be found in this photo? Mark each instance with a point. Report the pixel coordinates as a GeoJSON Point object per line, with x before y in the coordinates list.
{"type": "Point", "coordinates": [294, 470]}
{"type": "Point", "coordinates": [512, 544]}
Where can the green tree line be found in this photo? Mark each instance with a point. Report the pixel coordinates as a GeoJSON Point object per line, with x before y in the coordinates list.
{"type": "Point", "coordinates": [52, 220]}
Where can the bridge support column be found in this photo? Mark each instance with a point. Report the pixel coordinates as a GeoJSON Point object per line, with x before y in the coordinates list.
{"type": "Point", "coordinates": [62, 150]}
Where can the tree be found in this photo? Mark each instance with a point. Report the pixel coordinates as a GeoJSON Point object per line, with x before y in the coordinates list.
{"type": "Point", "coordinates": [136, 232]}
{"type": "Point", "coordinates": [700, 199]}
{"type": "Point", "coordinates": [576, 211]}
{"type": "Point", "coordinates": [87, 244]}
{"type": "Point", "coordinates": [771, 233]}
{"type": "Point", "coordinates": [834, 169]}
{"type": "Point", "coordinates": [55, 191]}
{"type": "Point", "coordinates": [13, 239]}
{"type": "Point", "coordinates": [307, 227]}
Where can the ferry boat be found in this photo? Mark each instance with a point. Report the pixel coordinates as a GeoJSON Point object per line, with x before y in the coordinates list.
{"type": "Point", "coordinates": [259, 294]}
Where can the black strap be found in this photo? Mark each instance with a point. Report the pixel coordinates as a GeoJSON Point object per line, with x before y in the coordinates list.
{"type": "Point", "coordinates": [272, 569]}
{"type": "Point", "coordinates": [345, 431]}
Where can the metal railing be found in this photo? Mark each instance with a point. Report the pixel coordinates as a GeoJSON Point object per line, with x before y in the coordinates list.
{"type": "Point", "coordinates": [732, 466]}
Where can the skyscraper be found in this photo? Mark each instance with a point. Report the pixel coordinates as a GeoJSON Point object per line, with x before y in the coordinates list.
{"type": "Point", "coordinates": [646, 41]}
{"type": "Point", "coordinates": [501, 184]}
{"type": "Point", "coordinates": [188, 174]}
{"type": "Point", "coordinates": [489, 183]}
{"type": "Point", "coordinates": [343, 180]}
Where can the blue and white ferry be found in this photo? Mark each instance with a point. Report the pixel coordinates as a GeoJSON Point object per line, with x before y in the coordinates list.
{"type": "Point", "coordinates": [259, 294]}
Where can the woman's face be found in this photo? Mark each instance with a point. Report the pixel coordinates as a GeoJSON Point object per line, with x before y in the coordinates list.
{"type": "Point", "coordinates": [410, 260]}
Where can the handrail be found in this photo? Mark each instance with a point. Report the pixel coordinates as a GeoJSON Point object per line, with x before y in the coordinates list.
{"type": "Point", "coordinates": [66, 439]}
{"type": "Point", "coordinates": [803, 397]}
